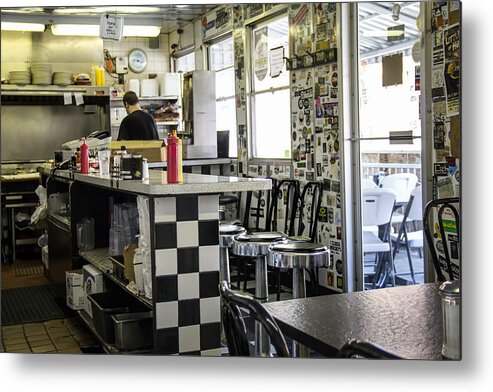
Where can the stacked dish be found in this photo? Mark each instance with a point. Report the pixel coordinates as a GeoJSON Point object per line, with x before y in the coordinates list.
{"type": "Point", "coordinates": [20, 77]}
{"type": "Point", "coordinates": [41, 73]}
{"type": "Point", "coordinates": [62, 78]}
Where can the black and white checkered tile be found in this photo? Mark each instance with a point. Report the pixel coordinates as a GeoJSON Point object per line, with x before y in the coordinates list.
{"type": "Point", "coordinates": [187, 275]}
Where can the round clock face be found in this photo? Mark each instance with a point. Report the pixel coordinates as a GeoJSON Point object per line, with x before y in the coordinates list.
{"type": "Point", "coordinates": [137, 60]}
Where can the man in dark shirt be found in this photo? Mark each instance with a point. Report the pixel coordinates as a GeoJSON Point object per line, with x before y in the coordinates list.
{"type": "Point", "coordinates": [138, 125]}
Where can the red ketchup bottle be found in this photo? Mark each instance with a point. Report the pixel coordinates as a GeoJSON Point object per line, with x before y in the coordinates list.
{"type": "Point", "coordinates": [84, 158]}
{"type": "Point", "coordinates": [174, 160]}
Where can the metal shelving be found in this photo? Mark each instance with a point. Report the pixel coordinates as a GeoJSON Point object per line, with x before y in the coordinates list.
{"type": "Point", "coordinates": [100, 259]}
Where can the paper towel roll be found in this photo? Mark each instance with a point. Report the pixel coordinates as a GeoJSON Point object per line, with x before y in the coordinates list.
{"type": "Point", "coordinates": [149, 88]}
{"type": "Point", "coordinates": [134, 85]}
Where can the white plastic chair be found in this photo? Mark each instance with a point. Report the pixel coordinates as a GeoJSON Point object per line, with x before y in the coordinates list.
{"type": "Point", "coordinates": [366, 183]}
{"type": "Point", "coordinates": [377, 207]}
{"type": "Point", "coordinates": [413, 239]}
{"type": "Point", "coordinates": [401, 183]}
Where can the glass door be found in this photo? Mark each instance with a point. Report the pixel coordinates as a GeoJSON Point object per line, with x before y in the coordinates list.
{"type": "Point", "coordinates": [389, 143]}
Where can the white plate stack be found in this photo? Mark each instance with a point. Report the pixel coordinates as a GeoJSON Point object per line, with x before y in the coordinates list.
{"type": "Point", "coordinates": [20, 77]}
{"type": "Point", "coordinates": [41, 73]}
{"type": "Point", "coordinates": [62, 78]}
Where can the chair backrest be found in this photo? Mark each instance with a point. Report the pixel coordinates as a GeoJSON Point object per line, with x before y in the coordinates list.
{"type": "Point", "coordinates": [359, 348]}
{"type": "Point", "coordinates": [443, 264]}
{"type": "Point", "coordinates": [366, 183]}
{"type": "Point", "coordinates": [401, 183]}
{"type": "Point", "coordinates": [377, 206]}
{"type": "Point", "coordinates": [416, 208]}
{"type": "Point", "coordinates": [234, 326]}
{"type": "Point", "coordinates": [292, 199]}
{"type": "Point", "coordinates": [315, 190]}
{"type": "Point", "coordinates": [258, 207]}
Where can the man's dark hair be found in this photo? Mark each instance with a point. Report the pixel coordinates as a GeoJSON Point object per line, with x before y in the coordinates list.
{"type": "Point", "coordinates": [130, 98]}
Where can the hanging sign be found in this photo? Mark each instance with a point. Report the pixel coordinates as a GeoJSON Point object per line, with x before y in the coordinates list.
{"type": "Point", "coordinates": [111, 27]}
{"type": "Point", "coordinates": [276, 61]}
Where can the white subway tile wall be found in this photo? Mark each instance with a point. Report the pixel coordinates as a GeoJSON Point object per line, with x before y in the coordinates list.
{"type": "Point", "coordinates": [157, 59]}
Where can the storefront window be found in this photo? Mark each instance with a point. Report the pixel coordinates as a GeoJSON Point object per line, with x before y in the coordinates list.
{"type": "Point", "coordinates": [270, 129]}
{"type": "Point", "coordinates": [185, 63]}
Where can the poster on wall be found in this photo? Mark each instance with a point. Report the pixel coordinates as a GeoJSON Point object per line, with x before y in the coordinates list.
{"type": "Point", "coordinates": [217, 22]}
{"type": "Point", "coordinates": [261, 53]}
{"type": "Point", "coordinates": [452, 67]}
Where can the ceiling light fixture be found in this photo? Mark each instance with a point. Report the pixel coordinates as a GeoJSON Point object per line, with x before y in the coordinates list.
{"type": "Point", "coordinates": [15, 26]}
{"type": "Point", "coordinates": [85, 30]}
{"type": "Point", "coordinates": [93, 30]}
{"type": "Point", "coordinates": [141, 31]}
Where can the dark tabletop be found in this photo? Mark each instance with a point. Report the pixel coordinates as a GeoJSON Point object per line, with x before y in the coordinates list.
{"type": "Point", "coordinates": [406, 321]}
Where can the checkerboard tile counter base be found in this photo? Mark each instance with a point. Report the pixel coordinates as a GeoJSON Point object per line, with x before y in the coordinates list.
{"type": "Point", "coordinates": [186, 275]}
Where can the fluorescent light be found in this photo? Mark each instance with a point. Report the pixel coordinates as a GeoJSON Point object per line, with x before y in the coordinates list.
{"type": "Point", "coordinates": [93, 30]}
{"type": "Point", "coordinates": [141, 31]}
{"type": "Point", "coordinates": [102, 10]}
{"type": "Point", "coordinates": [14, 26]}
{"type": "Point", "coordinates": [75, 29]}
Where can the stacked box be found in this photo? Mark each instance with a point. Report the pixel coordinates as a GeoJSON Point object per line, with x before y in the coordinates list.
{"type": "Point", "coordinates": [75, 289]}
{"type": "Point", "coordinates": [93, 283]}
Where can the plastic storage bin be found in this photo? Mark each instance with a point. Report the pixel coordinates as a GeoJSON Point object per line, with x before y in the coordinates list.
{"type": "Point", "coordinates": [104, 305]}
{"type": "Point", "coordinates": [133, 330]}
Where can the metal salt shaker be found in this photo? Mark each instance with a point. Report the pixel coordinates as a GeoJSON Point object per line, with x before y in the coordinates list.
{"type": "Point", "coordinates": [450, 293]}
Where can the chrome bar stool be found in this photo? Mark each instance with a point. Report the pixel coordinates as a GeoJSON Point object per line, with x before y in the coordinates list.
{"type": "Point", "coordinates": [227, 203]}
{"type": "Point", "coordinates": [226, 234]}
{"type": "Point", "coordinates": [298, 256]}
{"type": "Point", "coordinates": [257, 245]}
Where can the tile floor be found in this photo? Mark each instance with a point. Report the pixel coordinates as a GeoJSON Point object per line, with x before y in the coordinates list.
{"type": "Point", "coordinates": [64, 336]}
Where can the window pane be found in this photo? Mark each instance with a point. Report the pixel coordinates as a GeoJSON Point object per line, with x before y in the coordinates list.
{"type": "Point", "coordinates": [226, 121]}
{"type": "Point", "coordinates": [221, 55]}
{"type": "Point", "coordinates": [265, 38]}
{"type": "Point", "coordinates": [185, 63]}
{"type": "Point", "coordinates": [272, 125]}
{"type": "Point", "coordinates": [225, 83]}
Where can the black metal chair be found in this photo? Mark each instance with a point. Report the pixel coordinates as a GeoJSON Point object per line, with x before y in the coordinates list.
{"type": "Point", "coordinates": [234, 326]}
{"type": "Point", "coordinates": [354, 348]}
{"type": "Point", "coordinates": [442, 264]}
{"type": "Point", "coordinates": [314, 190]}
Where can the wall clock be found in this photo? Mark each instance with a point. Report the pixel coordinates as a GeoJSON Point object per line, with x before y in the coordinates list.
{"type": "Point", "coordinates": [137, 60]}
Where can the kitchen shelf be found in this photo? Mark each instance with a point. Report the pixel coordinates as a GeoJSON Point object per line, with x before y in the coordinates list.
{"type": "Point", "coordinates": [99, 258]}
{"type": "Point", "coordinates": [162, 98]}
{"type": "Point", "coordinates": [167, 122]}
{"type": "Point", "coordinates": [60, 219]}
{"type": "Point", "coordinates": [27, 241]}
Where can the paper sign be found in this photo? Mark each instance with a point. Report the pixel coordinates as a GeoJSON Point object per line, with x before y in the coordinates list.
{"type": "Point", "coordinates": [67, 98]}
{"type": "Point", "coordinates": [276, 61]}
{"type": "Point", "coordinates": [260, 54]}
{"type": "Point", "coordinates": [111, 27]}
{"type": "Point", "coordinates": [392, 70]}
{"type": "Point", "coordinates": [79, 99]}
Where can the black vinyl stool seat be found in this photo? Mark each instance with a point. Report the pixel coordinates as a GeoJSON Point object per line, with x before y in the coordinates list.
{"type": "Point", "coordinates": [226, 234]}
{"type": "Point", "coordinates": [257, 245]}
{"type": "Point", "coordinates": [303, 255]}
{"type": "Point", "coordinates": [298, 257]}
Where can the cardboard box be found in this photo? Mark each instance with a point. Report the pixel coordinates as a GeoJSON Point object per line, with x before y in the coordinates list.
{"type": "Point", "coordinates": [152, 150]}
{"type": "Point", "coordinates": [75, 289]}
{"type": "Point", "coordinates": [93, 283]}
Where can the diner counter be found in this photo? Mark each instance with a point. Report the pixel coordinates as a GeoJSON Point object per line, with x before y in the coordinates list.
{"type": "Point", "coordinates": [157, 183]}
